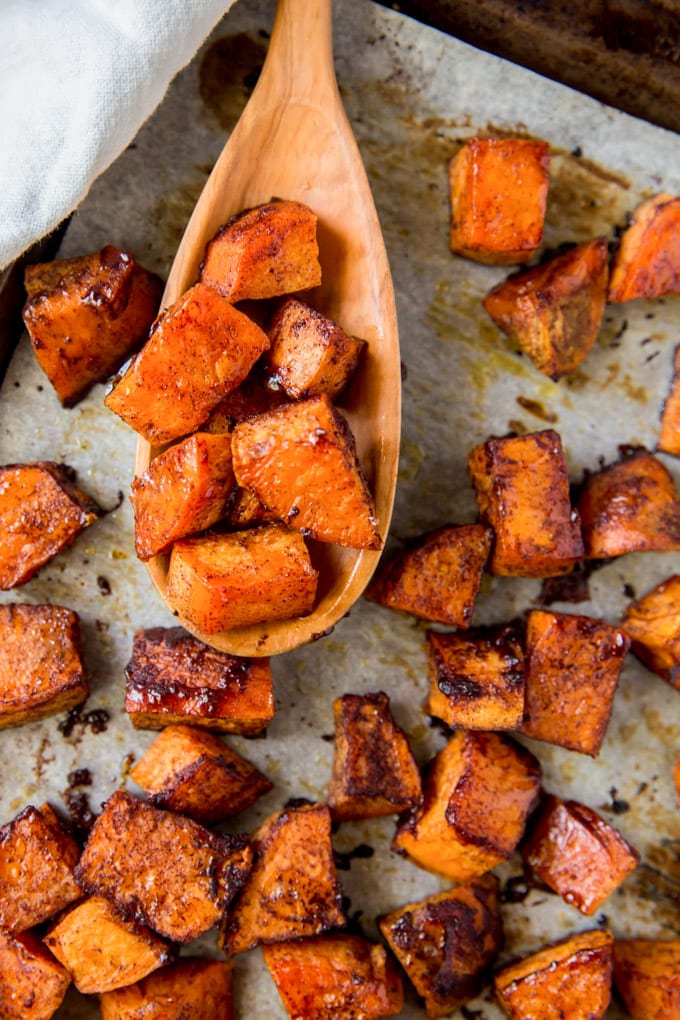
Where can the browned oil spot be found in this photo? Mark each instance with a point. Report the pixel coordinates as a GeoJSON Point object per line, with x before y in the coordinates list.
{"type": "Point", "coordinates": [227, 75]}
{"type": "Point", "coordinates": [536, 408]}
{"type": "Point", "coordinates": [658, 726]}
{"type": "Point", "coordinates": [634, 392]}
{"type": "Point", "coordinates": [584, 200]}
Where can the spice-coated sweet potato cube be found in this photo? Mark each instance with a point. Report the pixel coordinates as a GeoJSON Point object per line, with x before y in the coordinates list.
{"type": "Point", "coordinates": [479, 792]}
{"type": "Point", "coordinates": [193, 772]}
{"type": "Point", "coordinates": [374, 772]}
{"type": "Point", "coordinates": [85, 316]}
{"type": "Point", "coordinates": [32, 982]}
{"type": "Point", "coordinates": [335, 977]}
{"type": "Point", "coordinates": [300, 460]}
{"type": "Point", "coordinates": [173, 678]}
{"type": "Point", "coordinates": [522, 490]}
{"type": "Point", "coordinates": [553, 311]}
{"type": "Point", "coordinates": [216, 346]}
{"type": "Point", "coordinates": [437, 577]}
{"type": "Point", "coordinates": [446, 942]}
{"type": "Point", "coordinates": [669, 431]}
{"type": "Point", "coordinates": [647, 262]}
{"type": "Point", "coordinates": [577, 854]}
{"type": "Point", "coordinates": [647, 977]}
{"type": "Point", "coordinates": [630, 506]}
{"type": "Point", "coordinates": [498, 189]}
{"type": "Point", "coordinates": [101, 949]}
{"type": "Point", "coordinates": [236, 579]}
{"type": "Point", "coordinates": [190, 988]}
{"type": "Point", "coordinates": [476, 680]}
{"type": "Point", "coordinates": [573, 664]}
{"type": "Point", "coordinates": [41, 513]}
{"type": "Point", "coordinates": [571, 978]}
{"type": "Point", "coordinates": [292, 891]}
{"type": "Point", "coordinates": [169, 871]}
{"type": "Point", "coordinates": [264, 252]}
{"type": "Point", "coordinates": [653, 625]}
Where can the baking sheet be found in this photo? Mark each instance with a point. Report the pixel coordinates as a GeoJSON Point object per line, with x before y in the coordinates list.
{"type": "Point", "coordinates": [412, 95]}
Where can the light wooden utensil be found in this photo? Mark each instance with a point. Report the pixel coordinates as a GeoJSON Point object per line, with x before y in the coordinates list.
{"type": "Point", "coordinates": [294, 141]}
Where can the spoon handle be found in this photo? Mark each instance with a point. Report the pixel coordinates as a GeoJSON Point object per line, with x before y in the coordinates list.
{"type": "Point", "coordinates": [299, 61]}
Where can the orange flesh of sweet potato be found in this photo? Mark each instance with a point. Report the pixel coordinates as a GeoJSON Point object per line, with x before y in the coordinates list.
{"type": "Point", "coordinates": [653, 625]}
{"type": "Point", "coordinates": [647, 263]}
{"type": "Point", "coordinates": [32, 983]}
{"type": "Point", "coordinates": [215, 346]}
{"type": "Point", "coordinates": [647, 977]}
{"type": "Point", "coordinates": [669, 432]}
{"type": "Point", "coordinates": [85, 316]}
{"type": "Point", "coordinates": [191, 989]}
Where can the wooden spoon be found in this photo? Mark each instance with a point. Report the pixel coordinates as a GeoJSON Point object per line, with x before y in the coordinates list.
{"type": "Point", "coordinates": [294, 141]}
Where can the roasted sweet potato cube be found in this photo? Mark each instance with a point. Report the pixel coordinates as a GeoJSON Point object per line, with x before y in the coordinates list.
{"type": "Point", "coordinates": [173, 678]}
{"type": "Point", "coordinates": [571, 978]}
{"type": "Point", "coordinates": [41, 513]}
{"type": "Point", "coordinates": [85, 316]}
{"type": "Point", "coordinates": [653, 625]}
{"type": "Point", "coordinates": [477, 679]}
{"type": "Point", "coordinates": [669, 431]}
{"type": "Point", "coordinates": [292, 891]}
{"type": "Point", "coordinates": [573, 664]}
{"type": "Point", "coordinates": [498, 190]}
{"type": "Point", "coordinates": [374, 772]}
{"type": "Point", "coordinates": [216, 346]}
{"type": "Point", "coordinates": [647, 262]}
{"type": "Point", "coordinates": [195, 773]}
{"type": "Point", "coordinates": [335, 977]}
{"type": "Point", "coordinates": [553, 311]}
{"type": "Point", "coordinates": [301, 461]}
{"type": "Point", "coordinates": [630, 506]}
{"type": "Point", "coordinates": [167, 870]}
{"type": "Point", "coordinates": [264, 252]}
{"type": "Point", "coordinates": [647, 977]}
{"type": "Point", "coordinates": [32, 983]}
{"type": "Point", "coordinates": [479, 792]}
{"type": "Point", "coordinates": [222, 581]}
{"type": "Point", "coordinates": [191, 988]}
{"type": "Point", "coordinates": [446, 942]}
{"type": "Point", "coordinates": [522, 490]}
{"type": "Point", "coordinates": [102, 950]}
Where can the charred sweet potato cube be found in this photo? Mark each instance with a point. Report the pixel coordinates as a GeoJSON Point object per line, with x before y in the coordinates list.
{"type": "Point", "coordinates": [173, 678]}
{"type": "Point", "coordinates": [193, 772]}
{"type": "Point", "coordinates": [32, 983]}
{"type": "Point", "coordinates": [477, 679]}
{"type": "Point", "coordinates": [522, 490]}
{"type": "Point", "coordinates": [647, 977]}
{"type": "Point", "coordinates": [479, 792]}
{"type": "Point", "coordinates": [630, 506]}
{"type": "Point", "coordinates": [653, 625]}
{"type": "Point", "coordinates": [647, 262]}
{"type": "Point", "coordinates": [374, 772]}
{"type": "Point", "coordinates": [498, 189]}
{"type": "Point", "coordinates": [169, 871]}
{"type": "Point", "coordinates": [264, 252]}
{"type": "Point", "coordinates": [185, 489]}
{"type": "Point", "coordinates": [85, 316]}
{"type": "Point", "coordinates": [222, 581]}
{"type": "Point", "coordinates": [573, 664]}
{"type": "Point", "coordinates": [191, 987]}
{"type": "Point", "coordinates": [571, 978]}
{"type": "Point", "coordinates": [335, 977]}
{"type": "Point", "coordinates": [292, 891]}
{"type": "Point", "coordinates": [102, 950]}
{"type": "Point", "coordinates": [41, 513]}
{"type": "Point", "coordinates": [553, 311]}
{"type": "Point", "coordinates": [669, 431]}
{"type": "Point", "coordinates": [446, 942]}
{"type": "Point", "coordinates": [216, 346]}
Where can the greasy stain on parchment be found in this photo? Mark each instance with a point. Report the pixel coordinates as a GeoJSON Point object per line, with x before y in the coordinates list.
{"type": "Point", "coordinates": [227, 75]}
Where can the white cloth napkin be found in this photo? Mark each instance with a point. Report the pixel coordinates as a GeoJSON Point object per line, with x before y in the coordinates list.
{"type": "Point", "coordinates": [77, 80]}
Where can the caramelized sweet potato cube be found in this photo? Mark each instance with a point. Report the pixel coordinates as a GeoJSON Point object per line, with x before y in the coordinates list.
{"type": "Point", "coordinates": [190, 988]}
{"type": "Point", "coordinates": [292, 891]}
{"type": "Point", "coordinates": [40, 663]}
{"type": "Point", "coordinates": [85, 316]}
{"type": "Point", "coordinates": [669, 432]}
{"type": "Point", "coordinates": [647, 263]}
{"type": "Point", "coordinates": [32, 983]}
{"type": "Point", "coordinates": [446, 942]}
{"type": "Point", "coordinates": [335, 977]}
{"type": "Point", "coordinates": [573, 664]}
{"type": "Point", "coordinates": [215, 344]}
{"type": "Point", "coordinates": [41, 513]}
{"type": "Point", "coordinates": [169, 871]}
{"type": "Point", "coordinates": [264, 252]}
{"type": "Point", "coordinates": [300, 460]}
{"type": "Point", "coordinates": [647, 977]}
{"type": "Point", "coordinates": [477, 680]}
{"type": "Point", "coordinates": [478, 795]}
{"type": "Point", "coordinates": [553, 311]}
{"type": "Point", "coordinates": [374, 772]}
{"type": "Point", "coordinates": [218, 582]}
{"type": "Point", "coordinates": [195, 773]}
{"type": "Point", "coordinates": [184, 490]}
{"type": "Point", "coordinates": [498, 191]}
{"type": "Point", "coordinates": [653, 625]}
{"type": "Point", "coordinates": [173, 678]}
{"type": "Point", "coordinates": [571, 978]}
{"type": "Point", "coordinates": [522, 490]}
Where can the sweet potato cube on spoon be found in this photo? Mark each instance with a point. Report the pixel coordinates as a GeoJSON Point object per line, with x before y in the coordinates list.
{"type": "Point", "coordinates": [32, 981]}
{"type": "Point", "coordinates": [191, 987]}
{"type": "Point", "coordinates": [652, 623]}
{"type": "Point", "coordinates": [647, 262]}
{"type": "Point", "coordinates": [647, 977]}
{"type": "Point", "coordinates": [669, 431]}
